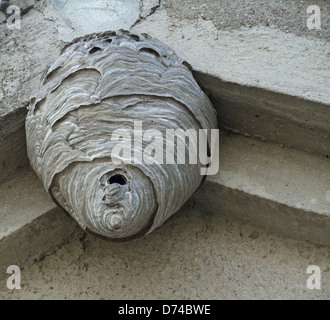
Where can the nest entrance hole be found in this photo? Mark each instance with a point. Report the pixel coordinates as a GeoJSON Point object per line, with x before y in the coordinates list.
{"type": "Point", "coordinates": [117, 178]}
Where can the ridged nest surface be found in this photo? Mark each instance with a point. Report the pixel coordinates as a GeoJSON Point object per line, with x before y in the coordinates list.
{"type": "Point", "coordinates": [101, 83]}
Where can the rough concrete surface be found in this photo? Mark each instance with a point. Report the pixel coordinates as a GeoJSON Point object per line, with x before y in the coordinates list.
{"type": "Point", "coordinates": [280, 189]}
{"type": "Point", "coordinates": [30, 222]}
{"type": "Point", "coordinates": [195, 255]}
{"type": "Point", "coordinates": [260, 56]}
{"type": "Point", "coordinates": [21, 202]}
{"type": "Point", "coordinates": [269, 116]}
{"type": "Point", "coordinates": [272, 172]}
{"type": "Point", "coordinates": [285, 15]}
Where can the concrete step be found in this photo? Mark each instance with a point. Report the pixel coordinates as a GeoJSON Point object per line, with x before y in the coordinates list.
{"type": "Point", "coordinates": [281, 189]}
{"type": "Point", "coordinates": [30, 222]}
{"type": "Point", "coordinates": [194, 255]}
{"type": "Point", "coordinates": [278, 189]}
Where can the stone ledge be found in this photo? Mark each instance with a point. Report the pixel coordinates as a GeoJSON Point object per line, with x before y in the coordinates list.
{"type": "Point", "coordinates": [30, 223]}
{"type": "Point", "coordinates": [282, 190]}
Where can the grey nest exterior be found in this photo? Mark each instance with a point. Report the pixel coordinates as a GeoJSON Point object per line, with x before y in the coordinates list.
{"type": "Point", "coordinates": [101, 83]}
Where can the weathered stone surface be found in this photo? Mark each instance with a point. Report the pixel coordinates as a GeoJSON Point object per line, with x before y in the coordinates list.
{"type": "Point", "coordinates": [280, 189]}
{"type": "Point", "coordinates": [30, 222]}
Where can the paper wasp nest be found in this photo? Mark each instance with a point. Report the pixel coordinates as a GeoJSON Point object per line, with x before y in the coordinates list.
{"type": "Point", "coordinates": [99, 84]}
